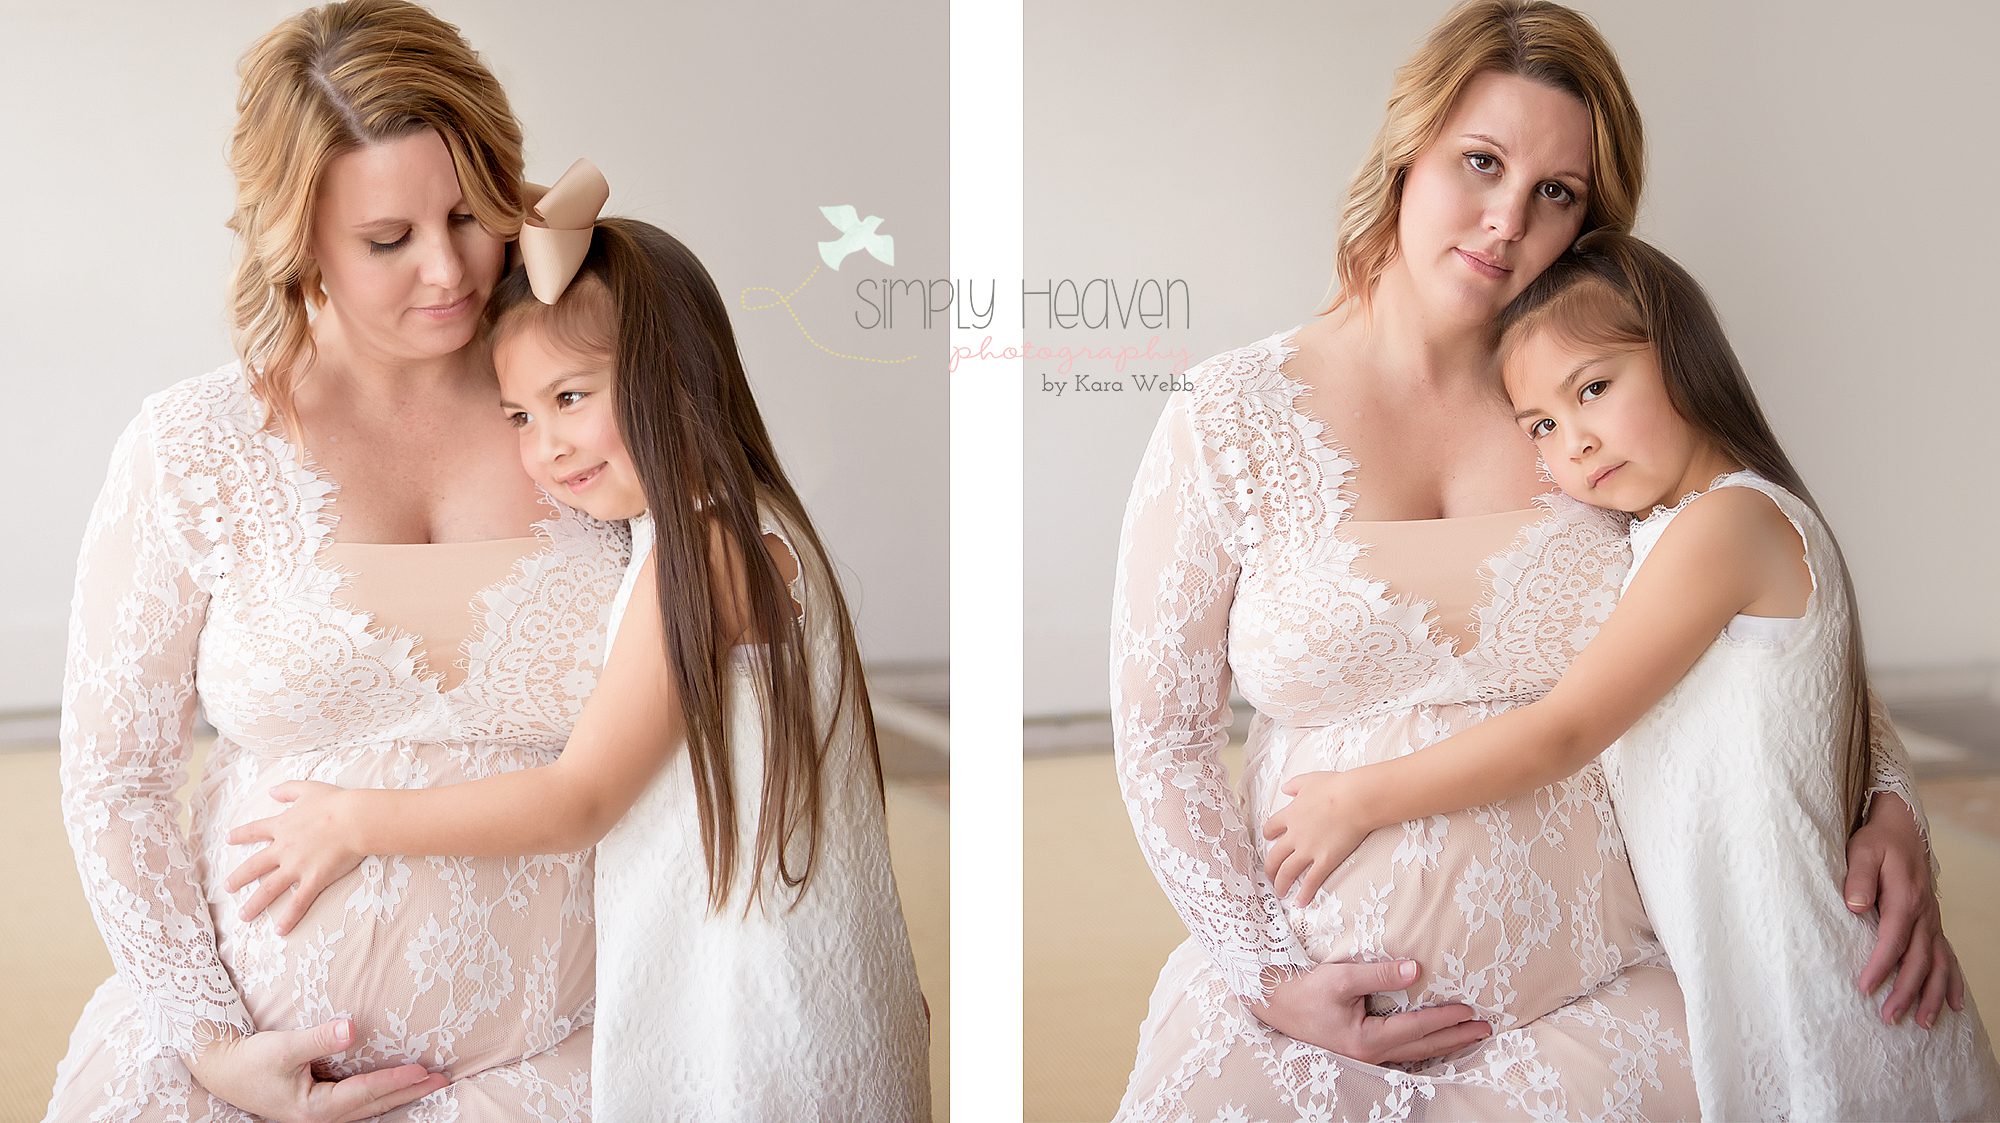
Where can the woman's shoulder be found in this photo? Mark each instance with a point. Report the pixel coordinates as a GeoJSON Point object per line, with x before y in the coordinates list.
{"type": "Point", "coordinates": [1250, 369]}
{"type": "Point", "coordinates": [202, 408]}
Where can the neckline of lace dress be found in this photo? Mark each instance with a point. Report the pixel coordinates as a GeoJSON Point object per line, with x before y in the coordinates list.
{"type": "Point", "coordinates": [318, 520]}
{"type": "Point", "coordinates": [1339, 466]}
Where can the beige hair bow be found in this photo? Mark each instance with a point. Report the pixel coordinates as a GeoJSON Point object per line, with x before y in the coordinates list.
{"type": "Point", "coordinates": [555, 236]}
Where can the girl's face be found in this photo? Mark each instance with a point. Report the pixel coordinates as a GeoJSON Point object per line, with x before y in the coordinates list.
{"type": "Point", "coordinates": [1603, 423]}
{"type": "Point", "coordinates": [1494, 198]}
{"type": "Point", "coordinates": [406, 267]}
{"type": "Point", "coordinates": [560, 402]}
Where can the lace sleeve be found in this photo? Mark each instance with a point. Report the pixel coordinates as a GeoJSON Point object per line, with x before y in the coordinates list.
{"type": "Point", "coordinates": [1893, 772]}
{"type": "Point", "coordinates": [128, 710]}
{"type": "Point", "coordinates": [1170, 712]}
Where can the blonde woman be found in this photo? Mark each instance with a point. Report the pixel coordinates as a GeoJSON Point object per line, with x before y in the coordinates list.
{"type": "Point", "coordinates": [1295, 532]}
{"type": "Point", "coordinates": [332, 546]}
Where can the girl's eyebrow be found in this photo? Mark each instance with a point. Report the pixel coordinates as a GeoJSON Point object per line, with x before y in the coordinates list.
{"type": "Point", "coordinates": [558, 380]}
{"type": "Point", "coordinates": [1582, 368]}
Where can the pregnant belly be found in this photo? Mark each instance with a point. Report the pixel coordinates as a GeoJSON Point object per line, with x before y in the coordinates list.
{"type": "Point", "coordinates": [1514, 908]}
{"type": "Point", "coordinates": [460, 963]}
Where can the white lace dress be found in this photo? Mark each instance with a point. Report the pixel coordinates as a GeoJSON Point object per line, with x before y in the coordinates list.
{"type": "Point", "coordinates": [205, 575]}
{"type": "Point", "coordinates": [806, 1013]}
{"type": "Point", "coordinates": [1726, 795]}
{"type": "Point", "coordinates": [1238, 565]}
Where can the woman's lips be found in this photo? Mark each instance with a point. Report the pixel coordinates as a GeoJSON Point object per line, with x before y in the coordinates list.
{"type": "Point", "coordinates": [1482, 266]}
{"type": "Point", "coordinates": [447, 311]}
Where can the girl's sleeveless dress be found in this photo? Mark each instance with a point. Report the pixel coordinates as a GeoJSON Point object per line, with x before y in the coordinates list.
{"type": "Point", "coordinates": [806, 1013]}
{"type": "Point", "coordinates": [1731, 819]}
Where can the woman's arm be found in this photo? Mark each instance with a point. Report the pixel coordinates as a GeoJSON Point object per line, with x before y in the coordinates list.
{"type": "Point", "coordinates": [1170, 712]}
{"type": "Point", "coordinates": [629, 726]}
{"type": "Point", "coordinates": [127, 716]}
{"type": "Point", "coordinates": [1725, 551]}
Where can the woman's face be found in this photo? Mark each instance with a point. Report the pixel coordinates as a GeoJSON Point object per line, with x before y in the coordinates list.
{"type": "Point", "coordinates": [1495, 198]}
{"type": "Point", "coordinates": [406, 266]}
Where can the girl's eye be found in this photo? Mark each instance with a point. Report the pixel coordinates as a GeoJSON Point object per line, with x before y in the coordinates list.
{"type": "Point", "coordinates": [1482, 162]}
{"type": "Point", "coordinates": [1537, 432]}
{"type": "Point", "coordinates": [1557, 193]}
{"type": "Point", "coordinates": [569, 398]}
{"type": "Point", "coordinates": [385, 247]}
{"type": "Point", "coordinates": [517, 419]}
{"type": "Point", "coordinates": [1594, 391]}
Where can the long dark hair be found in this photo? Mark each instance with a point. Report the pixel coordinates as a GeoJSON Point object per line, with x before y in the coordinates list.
{"type": "Point", "coordinates": [1613, 290]}
{"type": "Point", "coordinates": [704, 460]}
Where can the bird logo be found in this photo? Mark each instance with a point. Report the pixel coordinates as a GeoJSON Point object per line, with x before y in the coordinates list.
{"type": "Point", "coordinates": [856, 233]}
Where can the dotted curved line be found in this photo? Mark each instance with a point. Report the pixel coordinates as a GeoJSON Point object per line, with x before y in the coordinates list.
{"type": "Point", "coordinates": [785, 298]}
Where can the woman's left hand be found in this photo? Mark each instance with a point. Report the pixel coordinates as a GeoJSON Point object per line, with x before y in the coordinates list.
{"type": "Point", "coordinates": [311, 846]}
{"type": "Point", "coordinates": [1888, 868]}
{"type": "Point", "coordinates": [1313, 833]}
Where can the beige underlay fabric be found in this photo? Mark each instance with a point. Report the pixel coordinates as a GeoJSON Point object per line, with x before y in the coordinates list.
{"type": "Point", "coordinates": [425, 590]}
{"type": "Point", "coordinates": [1424, 559]}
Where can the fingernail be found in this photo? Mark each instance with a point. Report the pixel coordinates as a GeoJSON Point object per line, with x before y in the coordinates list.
{"type": "Point", "coordinates": [1407, 970]}
{"type": "Point", "coordinates": [342, 1032]}
{"type": "Point", "coordinates": [1857, 904]}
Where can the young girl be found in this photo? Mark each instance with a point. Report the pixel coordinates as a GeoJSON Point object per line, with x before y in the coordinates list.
{"type": "Point", "coordinates": [1730, 676]}
{"type": "Point", "coordinates": [752, 961]}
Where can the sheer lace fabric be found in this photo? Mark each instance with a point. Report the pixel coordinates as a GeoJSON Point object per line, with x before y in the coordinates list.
{"type": "Point", "coordinates": [203, 575]}
{"type": "Point", "coordinates": [1235, 568]}
{"type": "Point", "coordinates": [1732, 763]}
{"type": "Point", "coordinates": [802, 1013]}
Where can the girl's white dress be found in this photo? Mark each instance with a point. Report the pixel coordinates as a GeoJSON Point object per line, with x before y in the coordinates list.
{"type": "Point", "coordinates": [1726, 796]}
{"type": "Point", "coordinates": [811, 1013]}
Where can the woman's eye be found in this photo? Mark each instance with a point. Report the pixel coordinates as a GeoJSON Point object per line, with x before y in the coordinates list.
{"type": "Point", "coordinates": [1537, 430]}
{"type": "Point", "coordinates": [385, 247]}
{"type": "Point", "coordinates": [1482, 162]}
{"type": "Point", "coordinates": [1594, 391]}
{"type": "Point", "coordinates": [462, 219]}
{"type": "Point", "coordinates": [1557, 193]}
{"type": "Point", "coordinates": [569, 398]}
{"type": "Point", "coordinates": [518, 419]}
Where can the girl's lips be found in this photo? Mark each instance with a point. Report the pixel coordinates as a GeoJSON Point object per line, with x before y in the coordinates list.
{"type": "Point", "coordinates": [1482, 267]}
{"type": "Point", "coordinates": [1604, 475]}
{"type": "Point", "coordinates": [583, 480]}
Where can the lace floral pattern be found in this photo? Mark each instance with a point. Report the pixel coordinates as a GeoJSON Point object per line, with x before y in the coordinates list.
{"type": "Point", "coordinates": [200, 576]}
{"type": "Point", "coordinates": [1734, 761]}
{"type": "Point", "coordinates": [1233, 571]}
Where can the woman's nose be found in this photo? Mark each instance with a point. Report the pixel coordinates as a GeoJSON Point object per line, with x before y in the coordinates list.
{"type": "Point", "coordinates": [1507, 215]}
{"type": "Point", "coordinates": [443, 266]}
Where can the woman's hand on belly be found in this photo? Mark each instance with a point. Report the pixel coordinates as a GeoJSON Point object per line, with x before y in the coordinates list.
{"type": "Point", "coordinates": [1327, 1006]}
{"type": "Point", "coordinates": [308, 848]}
{"type": "Point", "coordinates": [270, 1074]}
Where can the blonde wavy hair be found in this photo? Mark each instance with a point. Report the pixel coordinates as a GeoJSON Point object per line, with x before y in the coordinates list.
{"type": "Point", "coordinates": [328, 80]}
{"type": "Point", "coordinates": [1534, 39]}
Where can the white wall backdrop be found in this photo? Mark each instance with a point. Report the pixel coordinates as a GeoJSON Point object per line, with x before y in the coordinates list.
{"type": "Point", "coordinates": [1826, 170]}
{"type": "Point", "coordinates": [727, 124]}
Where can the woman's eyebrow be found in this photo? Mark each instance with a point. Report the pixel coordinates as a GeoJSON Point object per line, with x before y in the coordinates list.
{"type": "Point", "coordinates": [1494, 143]}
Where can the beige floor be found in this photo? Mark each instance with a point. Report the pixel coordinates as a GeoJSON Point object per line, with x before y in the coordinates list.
{"type": "Point", "coordinates": [51, 957]}
{"type": "Point", "coordinates": [1086, 890]}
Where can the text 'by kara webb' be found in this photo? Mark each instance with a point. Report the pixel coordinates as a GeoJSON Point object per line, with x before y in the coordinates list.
{"type": "Point", "coordinates": [1100, 302]}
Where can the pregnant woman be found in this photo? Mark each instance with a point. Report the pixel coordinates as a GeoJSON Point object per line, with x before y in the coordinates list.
{"type": "Point", "coordinates": [333, 547]}
{"type": "Point", "coordinates": [1345, 522]}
